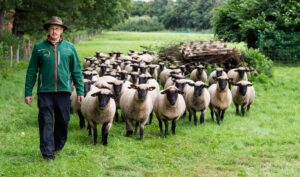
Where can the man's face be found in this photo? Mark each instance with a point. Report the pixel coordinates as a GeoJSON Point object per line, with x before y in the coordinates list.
{"type": "Point", "coordinates": [55, 31]}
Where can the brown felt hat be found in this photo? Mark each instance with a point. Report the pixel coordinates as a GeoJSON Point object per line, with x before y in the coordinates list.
{"type": "Point", "coordinates": [55, 20]}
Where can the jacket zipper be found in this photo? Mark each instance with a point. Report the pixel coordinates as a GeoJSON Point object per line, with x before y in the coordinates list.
{"type": "Point", "coordinates": [55, 69]}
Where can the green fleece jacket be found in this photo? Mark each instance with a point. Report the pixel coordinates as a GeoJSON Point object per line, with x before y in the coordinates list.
{"type": "Point", "coordinates": [57, 66]}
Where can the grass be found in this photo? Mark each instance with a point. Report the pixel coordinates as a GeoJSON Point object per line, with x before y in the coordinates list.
{"type": "Point", "coordinates": [263, 143]}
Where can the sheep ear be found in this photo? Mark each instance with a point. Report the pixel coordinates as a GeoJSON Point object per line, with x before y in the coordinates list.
{"type": "Point", "coordinates": [95, 94]}
{"type": "Point", "coordinates": [163, 92]}
{"type": "Point", "coordinates": [132, 86]}
{"type": "Point", "coordinates": [112, 96]}
{"type": "Point", "coordinates": [235, 84]}
{"type": "Point", "coordinates": [151, 88]}
{"type": "Point", "coordinates": [191, 84]}
{"type": "Point", "coordinates": [250, 84]}
{"type": "Point", "coordinates": [214, 78]}
{"type": "Point", "coordinates": [111, 83]}
{"type": "Point", "coordinates": [179, 91]}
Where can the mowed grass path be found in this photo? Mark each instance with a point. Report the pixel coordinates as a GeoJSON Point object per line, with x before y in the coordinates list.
{"type": "Point", "coordinates": [266, 142]}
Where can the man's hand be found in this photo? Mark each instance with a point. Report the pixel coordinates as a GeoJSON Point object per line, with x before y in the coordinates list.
{"type": "Point", "coordinates": [80, 99]}
{"type": "Point", "coordinates": [28, 100]}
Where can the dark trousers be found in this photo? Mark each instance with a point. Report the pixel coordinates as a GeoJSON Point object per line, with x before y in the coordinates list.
{"type": "Point", "coordinates": [53, 129]}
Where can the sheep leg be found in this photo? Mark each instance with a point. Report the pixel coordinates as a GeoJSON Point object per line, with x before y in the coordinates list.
{"type": "Point", "coordinates": [195, 117]}
{"type": "Point", "coordinates": [89, 130]}
{"type": "Point", "coordinates": [212, 114]}
{"type": "Point", "coordinates": [190, 116]}
{"type": "Point", "coordinates": [202, 117]}
{"type": "Point", "coordinates": [95, 135]}
{"type": "Point", "coordinates": [104, 133]}
{"type": "Point", "coordinates": [218, 116]}
{"type": "Point", "coordinates": [184, 114]}
{"type": "Point", "coordinates": [166, 127]}
{"type": "Point", "coordinates": [136, 127]}
{"type": "Point", "coordinates": [160, 126]}
{"type": "Point", "coordinates": [222, 114]}
{"type": "Point", "coordinates": [243, 109]}
{"type": "Point", "coordinates": [142, 126]}
{"type": "Point", "coordinates": [117, 116]}
{"type": "Point", "coordinates": [129, 131]}
{"type": "Point", "coordinates": [237, 109]}
{"type": "Point", "coordinates": [173, 126]}
{"type": "Point", "coordinates": [81, 119]}
{"type": "Point", "coordinates": [248, 107]}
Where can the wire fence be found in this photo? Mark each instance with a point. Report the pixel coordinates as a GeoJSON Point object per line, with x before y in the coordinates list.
{"type": "Point", "coordinates": [281, 46]}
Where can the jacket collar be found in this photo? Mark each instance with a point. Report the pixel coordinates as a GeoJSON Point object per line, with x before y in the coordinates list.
{"type": "Point", "coordinates": [53, 43]}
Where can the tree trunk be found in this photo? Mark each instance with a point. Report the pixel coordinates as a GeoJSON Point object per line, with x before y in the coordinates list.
{"type": "Point", "coordinates": [1, 20]}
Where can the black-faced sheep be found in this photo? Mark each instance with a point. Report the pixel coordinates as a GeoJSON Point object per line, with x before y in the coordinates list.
{"type": "Point", "coordinates": [136, 106]}
{"type": "Point", "coordinates": [99, 107]}
{"type": "Point", "coordinates": [217, 73]}
{"type": "Point", "coordinates": [169, 105]}
{"type": "Point", "coordinates": [199, 74]}
{"type": "Point", "coordinates": [220, 98]}
{"type": "Point", "coordinates": [243, 95]}
{"type": "Point", "coordinates": [197, 99]}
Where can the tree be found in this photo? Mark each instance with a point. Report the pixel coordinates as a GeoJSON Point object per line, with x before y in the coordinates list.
{"type": "Point", "coordinates": [77, 14]}
{"type": "Point", "coordinates": [6, 5]}
{"type": "Point", "coordinates": [241, 20]}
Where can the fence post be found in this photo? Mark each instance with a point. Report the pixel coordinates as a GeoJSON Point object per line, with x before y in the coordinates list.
{"type": "Point", "coordinates": [11, 55]}
{"type": "Point", "coordinates": [17, 54]}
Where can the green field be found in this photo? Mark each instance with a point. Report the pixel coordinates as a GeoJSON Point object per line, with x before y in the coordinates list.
{"type": "Point", "coordinates": [266, 142]}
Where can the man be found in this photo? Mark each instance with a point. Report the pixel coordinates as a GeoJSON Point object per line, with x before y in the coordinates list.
{"type": "Point", "coordinates": [57, 65]}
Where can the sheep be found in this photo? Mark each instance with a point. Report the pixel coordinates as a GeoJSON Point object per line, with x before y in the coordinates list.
{"type": "Point", "coordinates": [169, 105]}
{"type": "Point", "coordinates": [144, 79]}
{"type": "Point", "coordinates": [217, 73]}
{"type": "Point", "coordinates": [237, 74]}
{"type": "Point", "coordinates": [136, 105]}
{"type": "Point", "coordinates": [117, 90]}
{"type": "Point", "coordinates": [99, 107]}
{"type": "Point", "coordinates": [199, 74]}
{"type": "Point", "coordinates": [220, 98]}
{"type": "Point", "coordinates": [197, 99]}
{"type": "Point", "coordinates": [75, 106]}
{"type": "Point", "coordinates": [153, 70]}
{"type": "Point", "coordinates": [243, 94]}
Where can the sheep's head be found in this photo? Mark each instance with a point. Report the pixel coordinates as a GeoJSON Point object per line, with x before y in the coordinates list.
{"type": "Point", "coordinates": [161, 66]}
{"type": "Point", "coordinates": [241, 71]}
{"type": "Point", "coordinates": [200, 68]}
{"type": "Point", "coordinates": [143, 69]}
{"type": "Point", "coordinates": [141, 91]}
{"type": "Point", "coordinates": [143, 78]}
{"type": "Point", "coordinates": [117, 86]}
{"type": "Point", "coordinates": [198, 87]}
{"type": "Point", "coordinates": [222, 82]}
{"type": "Point", "coordinates": [87, 85]}
{"type": "Point", "coordinates": [123, 75]}
{"type": "Point", "coordinates": [134, 76]}
{"type": "Point", "coordinates": [242, 86]}
{"type": "Point", "coordinates": [219, 72]}
{"type": "Point", "coordinates": [152, 69]}
{"type": "Point", "coordinates": [103, 96]}
{"type": "Point", "coordinates": [180, 84]}
{"type": "Point", "coordinates": [172, 94]}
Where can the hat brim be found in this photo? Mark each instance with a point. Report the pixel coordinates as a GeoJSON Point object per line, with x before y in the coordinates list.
{"type": "Point", "coordinates": [46, 26]}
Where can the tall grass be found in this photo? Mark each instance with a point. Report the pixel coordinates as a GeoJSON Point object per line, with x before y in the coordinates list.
{"type": "Point", "coordinates": [263, 143]}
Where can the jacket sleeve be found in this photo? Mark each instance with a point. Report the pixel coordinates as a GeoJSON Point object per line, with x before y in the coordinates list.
{"type": "Point", "coordinates": [31, 72]}
{"type": "Point", "coordinates": [76, 74]}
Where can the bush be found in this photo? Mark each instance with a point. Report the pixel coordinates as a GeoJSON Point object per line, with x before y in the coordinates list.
{"type": "Point", "coordinates": [143, 24]}
{"type": "Point", "coordinates": [262, 64]}
{"type": "Point", "coordinates": [8, 39]}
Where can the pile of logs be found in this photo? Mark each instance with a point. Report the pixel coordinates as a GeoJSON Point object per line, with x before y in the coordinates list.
{"type": "Point", "coordinates": [204, 52]}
